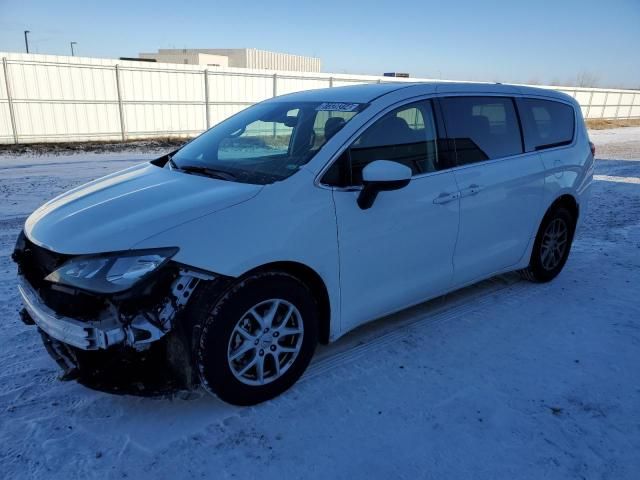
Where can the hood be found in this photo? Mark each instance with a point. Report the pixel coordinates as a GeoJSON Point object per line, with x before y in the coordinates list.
{"type": "Point", "coordinates": [117, 211]}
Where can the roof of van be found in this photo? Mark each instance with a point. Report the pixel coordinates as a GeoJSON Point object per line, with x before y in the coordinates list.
{"type": "Point", "coordinates": [368, 92]}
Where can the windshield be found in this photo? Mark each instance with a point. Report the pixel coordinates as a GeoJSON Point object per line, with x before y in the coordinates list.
{"type": "Point", "coordinates": [266, 142]}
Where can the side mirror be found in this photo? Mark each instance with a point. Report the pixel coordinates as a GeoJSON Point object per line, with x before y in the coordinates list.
{"type": "Point", "coordinates": [382, 176]}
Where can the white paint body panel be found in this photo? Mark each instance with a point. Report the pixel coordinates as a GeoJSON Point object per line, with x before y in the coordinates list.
{"type": "Point", "coordinates": [499, 207]}
{"type": "Point", "coordinates": [287, 221]}
{"type": "Point", "coordinates": [402, 251]}
{"type": "Point", "coordinates": [116, 212]}
{"type": "Point", "coordinates": [384, 170]}
{"type": "Point", "coordinates": [399, 251]}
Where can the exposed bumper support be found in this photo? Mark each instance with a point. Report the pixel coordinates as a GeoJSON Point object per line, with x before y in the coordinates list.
{"type": "Point", "coordinates": [85, 335]}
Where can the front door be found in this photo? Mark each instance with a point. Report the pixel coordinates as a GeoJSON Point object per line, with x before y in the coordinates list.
{"type": "Point", "coordinates": [398, 252]}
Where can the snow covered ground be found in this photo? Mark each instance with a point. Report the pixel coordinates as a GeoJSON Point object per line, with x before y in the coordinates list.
{"type": "Point", "coordinates": [504, 379]}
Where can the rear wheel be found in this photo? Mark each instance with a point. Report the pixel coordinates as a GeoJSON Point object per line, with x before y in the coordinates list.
{"type": "Point", "coordinates": [552, 246]}
{"type": "Point", "coordinates": [258, 339]}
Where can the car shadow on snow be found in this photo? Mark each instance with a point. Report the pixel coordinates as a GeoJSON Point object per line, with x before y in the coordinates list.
{"type": "Point", "coordinates": [142, 377]}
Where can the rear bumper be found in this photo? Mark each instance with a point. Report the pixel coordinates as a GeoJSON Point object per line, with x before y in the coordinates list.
{"type": "Point", "coordinates": [93, 335]}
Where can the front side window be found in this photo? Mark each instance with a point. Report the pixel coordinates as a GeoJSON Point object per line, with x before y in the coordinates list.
{"type": "Point", "coordinates": [327, 123]}
{"type": "Point", "coordinates": [266, 142]}
{"type": "Point", "coordinates": [483, 128]}
{"type": "Point", "coordinates": [546, 123]}
{"type": "Point", "coordinates": [406, 135]}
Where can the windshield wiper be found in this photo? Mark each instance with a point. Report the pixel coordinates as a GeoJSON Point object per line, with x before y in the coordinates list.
{"type": "Point", "coordinates": [172, 164]}
{"type": "Point", "coordinates": [209, 172]}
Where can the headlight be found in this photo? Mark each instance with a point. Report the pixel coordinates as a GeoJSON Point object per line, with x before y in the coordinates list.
{"type": "Point", "coordinates": [110, 272]}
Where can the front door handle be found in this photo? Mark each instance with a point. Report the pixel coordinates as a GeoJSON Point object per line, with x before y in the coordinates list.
{"type": "Point", "coordinates": [446, 198]}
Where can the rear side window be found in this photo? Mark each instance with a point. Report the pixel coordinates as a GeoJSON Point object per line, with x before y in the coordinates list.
{"type": "Point", "coordinates": [546, 123]}
{"type": "Point", "coordinates": [483, 128]}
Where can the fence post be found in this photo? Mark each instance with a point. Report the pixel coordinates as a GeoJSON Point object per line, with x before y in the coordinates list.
{"type": "Point", "coordinates": [589, 104]}
{"type": "Point", "coordinates": [618, 106]}
{"type": "Point", "coordinates": [12, 114]}
{"type": "Point", "coordinates": [206, 97]}
{"type": "Point", "coordinates": [123, 130]}
{"type": "Point", "coordinates": [604, 107]}
{"type": "Point", "coordinates": [633, 101]}
{"type": "Point", "coordinates": [330, 82]}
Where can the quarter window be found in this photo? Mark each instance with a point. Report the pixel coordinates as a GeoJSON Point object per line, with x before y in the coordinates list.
{"type": "Point", "coordinates": [483, 128]}
{"type": "Point", "coordinates": [546, 123]}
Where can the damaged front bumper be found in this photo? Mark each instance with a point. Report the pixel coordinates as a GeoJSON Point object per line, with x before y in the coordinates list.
{"type": "Point", "coordinates": [144, 351]}
{"type": "Point", "coordinates": [91, 335]}
{"type": "Point", "coordinates": [134, 341]}
{"type": "Point", "coordinates": [111, 327]}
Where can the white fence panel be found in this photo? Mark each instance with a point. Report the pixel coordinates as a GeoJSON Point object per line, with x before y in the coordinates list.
{"type": "Point", "coordinates": [634, 111]}
{"type": "Point", "coordinates": [6, 130]}
{"type": "Point", "coordinates": [217, 113]}
{"type": "Point", "coordinates": [63, 102]}
{"type": "Point", "coordinates": [626, 99]}
{"type": "Point", "coordinates": [345, 83]}
{"type": "Point", "coordinates": [55, 98]}
{"type": "Point", "coordinates": [290, 84]}
{"type": "Point", "coordinates": [6, 133]}
{"type": "Point", "coordinates": [225, 88]}
{"type": "Point", "coordinates": [230, 92]}
{"type": "Point", "coordinates": [163, 102]}
{"type": "Point", "coordinates": [583, 97]}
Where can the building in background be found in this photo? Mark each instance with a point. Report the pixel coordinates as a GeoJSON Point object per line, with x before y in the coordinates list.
{"type": "Point", "coordinates": [236, 57]}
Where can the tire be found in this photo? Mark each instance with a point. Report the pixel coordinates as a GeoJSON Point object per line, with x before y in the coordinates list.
{"type": "Point", "coordinates": [547, 262]}
{"type": "Point", "coordinates": [234, 334]}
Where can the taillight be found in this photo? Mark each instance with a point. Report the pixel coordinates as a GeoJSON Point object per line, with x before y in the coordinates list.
{"type": "Point", "coordinates": [593, 148]}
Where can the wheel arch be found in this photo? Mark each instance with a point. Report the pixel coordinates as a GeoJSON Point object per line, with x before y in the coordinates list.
{"type": "Point", "coordinates": [313, 281]}
{"type": "Point", "coordinates": [567, 201]}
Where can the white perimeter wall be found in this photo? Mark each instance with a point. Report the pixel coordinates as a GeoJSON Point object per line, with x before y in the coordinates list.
{"type": "Point", "coordinates": [46, 98]}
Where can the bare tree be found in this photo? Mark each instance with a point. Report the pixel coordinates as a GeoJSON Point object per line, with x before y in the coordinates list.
{"type": "Point", "coordinates": [586, 79]}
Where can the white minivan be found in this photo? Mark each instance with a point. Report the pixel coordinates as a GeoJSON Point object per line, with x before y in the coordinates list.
{"type": "Point", "coordinates": [298, 219]}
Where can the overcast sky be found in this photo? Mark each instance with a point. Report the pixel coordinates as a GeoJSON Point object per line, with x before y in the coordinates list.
{"type": "Point", "coordinates": [507, 41]}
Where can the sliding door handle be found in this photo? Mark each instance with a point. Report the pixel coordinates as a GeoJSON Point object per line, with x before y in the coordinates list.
{"type": "Point", "coordinates": [446, 198]}
{"type": "Point", "coordinates": [473, 189]}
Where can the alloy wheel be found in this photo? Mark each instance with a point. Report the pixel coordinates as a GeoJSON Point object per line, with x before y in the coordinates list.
{"type": "Point", "coordinates": [265, 342]}
{"type": "Point", "coordinates": [554, 244]}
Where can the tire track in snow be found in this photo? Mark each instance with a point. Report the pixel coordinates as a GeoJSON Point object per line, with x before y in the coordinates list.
{"type": "Point", "coordinates": [510, 293]}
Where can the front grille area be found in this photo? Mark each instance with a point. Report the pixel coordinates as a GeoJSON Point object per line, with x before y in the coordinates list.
{"type": "Point", "coordinates": [35, 263]}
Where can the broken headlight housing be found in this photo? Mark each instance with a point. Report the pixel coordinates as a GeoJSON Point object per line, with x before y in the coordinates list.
{"type": "Point", "coordinates": [111, 272]}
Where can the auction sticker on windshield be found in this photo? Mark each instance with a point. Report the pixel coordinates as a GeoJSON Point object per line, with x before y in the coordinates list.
{"type": "Point", "coordinates": [337, 107]}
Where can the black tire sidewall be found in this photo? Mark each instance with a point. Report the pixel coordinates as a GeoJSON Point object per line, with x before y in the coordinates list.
{"type": "Point", "coordinates": [211, 351]}
{"type": "Point", "coordinates": [540, 273]}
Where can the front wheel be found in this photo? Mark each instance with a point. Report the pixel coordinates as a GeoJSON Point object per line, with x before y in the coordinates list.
{"type": "Point", "coordinates": [258, 339]}
{"type": "Point", "coordinates": [552, 246]}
